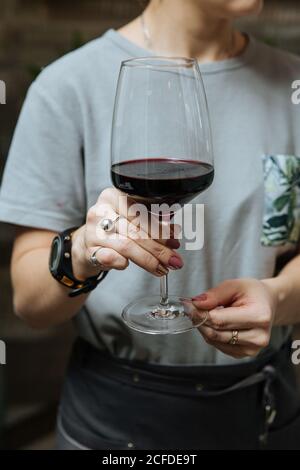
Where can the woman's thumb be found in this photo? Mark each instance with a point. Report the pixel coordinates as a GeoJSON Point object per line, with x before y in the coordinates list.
{"type": "Point", "coordinates": [218, 296]}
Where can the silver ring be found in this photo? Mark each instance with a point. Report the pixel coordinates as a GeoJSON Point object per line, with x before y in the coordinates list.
{"type": "Point", "coordinates": [109, 225]}
{"type": "Point", "coordinates": [93, 259]}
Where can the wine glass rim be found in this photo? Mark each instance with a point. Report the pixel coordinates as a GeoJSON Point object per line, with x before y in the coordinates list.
{"type": "Point", "coordinates": [159, 61]}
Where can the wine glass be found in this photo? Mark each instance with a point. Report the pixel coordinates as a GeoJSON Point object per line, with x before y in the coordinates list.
{"type": "Point", "coordinates": [161, 153]}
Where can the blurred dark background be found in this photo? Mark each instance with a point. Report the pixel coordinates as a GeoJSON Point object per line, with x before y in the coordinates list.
{"type": "Point", "coordinates": [33, 33]}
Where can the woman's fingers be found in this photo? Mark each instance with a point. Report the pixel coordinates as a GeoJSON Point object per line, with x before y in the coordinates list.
{"type": "Point", "coordinates": [132, 251]}
{"type": "Point", "coordinates": [137, 214]}
{"type": "Point", "coordinates": [163, 253]}
{"type": "Point", "coordinates": [131, 243]}
{"type": "Point", "coordinates": [108, 259]}
{"type": "Point", "coordinates": [235, 318]}
{"type": "Point", "coordinates": [245, 305]}
{"type": "Point", "coordinates": [127, 248]}
{"type": "Point", "coordinates": [222, 294]}
{"type": "Point", "coordinates": [255, 339]}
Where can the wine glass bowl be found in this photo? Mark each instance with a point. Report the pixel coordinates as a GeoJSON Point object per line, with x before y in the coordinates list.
{"type": "Point", "coordinates": [161, 156]}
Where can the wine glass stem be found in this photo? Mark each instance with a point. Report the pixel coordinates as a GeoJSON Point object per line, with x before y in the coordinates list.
{"type": "Point", "coordinates": [164, 290]}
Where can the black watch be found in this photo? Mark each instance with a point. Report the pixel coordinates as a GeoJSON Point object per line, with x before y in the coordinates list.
{"type": "Point", "coordinates": [60, 265]}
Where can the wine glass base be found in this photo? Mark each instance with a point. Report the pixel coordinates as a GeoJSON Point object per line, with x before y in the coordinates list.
{"type": "Point", "coordinates": [148, 315]}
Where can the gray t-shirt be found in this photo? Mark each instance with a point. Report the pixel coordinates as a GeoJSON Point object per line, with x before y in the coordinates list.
{"type": "Point", "coordinates": [59, 162]}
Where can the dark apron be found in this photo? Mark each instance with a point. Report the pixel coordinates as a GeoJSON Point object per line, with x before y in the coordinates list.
{"type": "Point", "coordinates": [109, 404]}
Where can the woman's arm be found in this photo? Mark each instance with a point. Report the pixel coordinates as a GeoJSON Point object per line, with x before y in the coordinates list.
{"type": "Point", "coordinates": [38, 298]}
{"type": "Point", "coordinates": [286, 290]}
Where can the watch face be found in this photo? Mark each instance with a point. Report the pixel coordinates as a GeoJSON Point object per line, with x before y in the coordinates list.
{"type": "Point", "coordinates": [55, 254]}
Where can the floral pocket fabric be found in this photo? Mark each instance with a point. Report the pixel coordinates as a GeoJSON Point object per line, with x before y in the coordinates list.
{"type": "Point", "coordinates": [281, 221]}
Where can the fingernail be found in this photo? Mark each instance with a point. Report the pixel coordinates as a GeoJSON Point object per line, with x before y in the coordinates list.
{"type": "Point", "coordinates": [201, 297]}
{"type": "Point", "coordinates": [175, 263]}
{"type": "Point", "coordinates": [162, 270]}
{"type": "Point", "coordinates": [172, 243]}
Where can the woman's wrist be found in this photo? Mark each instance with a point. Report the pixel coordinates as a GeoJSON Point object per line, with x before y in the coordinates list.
{"type": "Point", "coordinates": [279, 287]}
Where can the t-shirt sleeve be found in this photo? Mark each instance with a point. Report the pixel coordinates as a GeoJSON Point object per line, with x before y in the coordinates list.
{"type": "Point", "coordinates": [43, 182]}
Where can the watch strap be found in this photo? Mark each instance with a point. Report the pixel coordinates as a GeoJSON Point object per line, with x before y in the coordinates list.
{"type": "Point", "coordinates": [89, 285]}
{"type": "Point", "coordinates": [64, 274]}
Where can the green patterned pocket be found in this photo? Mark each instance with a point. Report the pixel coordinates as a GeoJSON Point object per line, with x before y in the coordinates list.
{"type": "Point", "coordinates": [281, 221]}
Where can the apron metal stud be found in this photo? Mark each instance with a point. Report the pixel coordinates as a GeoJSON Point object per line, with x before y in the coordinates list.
{"type": "Point", "coordinates": [199, 387]}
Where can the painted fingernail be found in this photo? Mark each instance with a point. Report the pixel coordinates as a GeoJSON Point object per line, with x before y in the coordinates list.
{"type": "Point", "coordinates": [172, 243]}
{"type": "Point", "coordinates": [162, 270]}
{"type": "Point", "coordinates": [201, 297]}
{"type": "Point", "coordinates": [175, 263]}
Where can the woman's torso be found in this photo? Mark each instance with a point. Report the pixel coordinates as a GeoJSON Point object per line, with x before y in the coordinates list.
{"type": "Point", "coordinates": [255, 138]}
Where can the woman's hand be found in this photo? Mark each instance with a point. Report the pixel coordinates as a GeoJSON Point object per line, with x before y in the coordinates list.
{"type": "Point", "coordinates": [248, 307]}
{"type": "Point", "coordinates": [132, 243]}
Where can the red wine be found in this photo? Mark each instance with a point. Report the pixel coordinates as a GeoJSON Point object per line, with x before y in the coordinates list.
{"type": "Point", "coordinates": [162, 180]}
